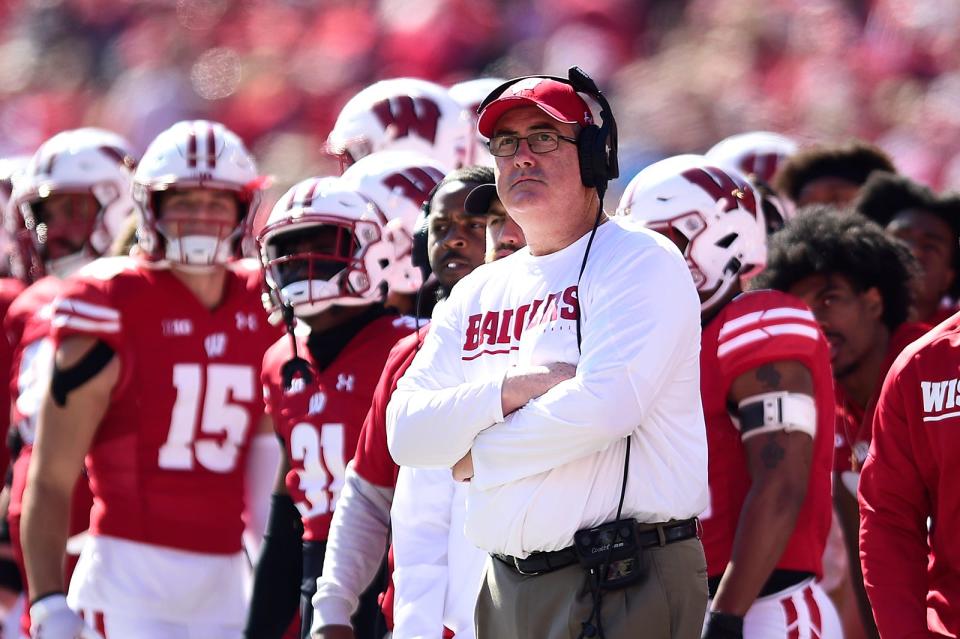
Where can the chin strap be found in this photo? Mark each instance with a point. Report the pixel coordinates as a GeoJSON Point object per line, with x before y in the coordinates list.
{"type": "Point", "coordinates": [296, 365]}
{"type": "Point", "coordinates": [722, 291]}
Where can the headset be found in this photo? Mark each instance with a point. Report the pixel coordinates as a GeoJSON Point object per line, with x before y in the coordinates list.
{"type": "Point", "coordinates": [596, 151]}
{"type": "Point", "coordinates": [419, 253]}
{"type": "Point", "coordinates": [596, 145]}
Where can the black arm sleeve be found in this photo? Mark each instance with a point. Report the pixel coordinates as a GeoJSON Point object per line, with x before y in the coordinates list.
{"type": "Point", "coordinates": [276, 583]}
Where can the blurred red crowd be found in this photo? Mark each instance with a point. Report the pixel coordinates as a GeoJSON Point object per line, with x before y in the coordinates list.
{"type": "Point", "coordinates": [681, 74]}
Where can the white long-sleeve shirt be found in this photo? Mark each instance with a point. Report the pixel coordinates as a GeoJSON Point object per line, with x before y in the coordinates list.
{"type": "Point", "coordinates": [355, 549]}
{"type": "Point", "coordinates": [437, 572]}
{"type": "Point", "coordinates": [556, 465]}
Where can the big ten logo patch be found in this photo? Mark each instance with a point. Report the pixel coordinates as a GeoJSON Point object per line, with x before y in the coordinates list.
{"type": "Point", "coordinates": [504, 327]}
{"type": "Point", "coordinates": [177, 327]}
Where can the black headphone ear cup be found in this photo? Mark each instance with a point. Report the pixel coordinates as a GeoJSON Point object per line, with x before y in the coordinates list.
{"type": "Point", "coordinates": [419, 255]}
{"type": "Point", "coordinates": [591, 150]}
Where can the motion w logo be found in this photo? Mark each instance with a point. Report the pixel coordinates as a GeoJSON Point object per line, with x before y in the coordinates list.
{"type": "Point", "coordinates": [404, 114]}
{"type": "Point", "coordinates": [723, 189]}
{"type": "Point", "coordinates": [414, 183]}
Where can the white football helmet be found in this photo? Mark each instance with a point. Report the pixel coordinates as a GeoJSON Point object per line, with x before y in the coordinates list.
{"type": "Point", "coordinates": [9, 167]}
{"type": "Point", "coordinates": [402, 114]}
{"type": "Point", "coordinates": [85, 161]}
{"type": "Point", "coordinates": [757, 153]}
{"type": "Point", "coordinates": [397, 183]}
{"type": "Point", "coordinates": [190, 155]}
{"type": "Point", "coordinates": [712, 215]}
{"type": "Point", "coordinates": [469, 95]}
{"type": "Point", "coordinates": [323, 245]}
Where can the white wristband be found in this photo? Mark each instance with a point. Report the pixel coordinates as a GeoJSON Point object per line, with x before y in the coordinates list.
{"type": "Point", "coordinates": [47, 605]}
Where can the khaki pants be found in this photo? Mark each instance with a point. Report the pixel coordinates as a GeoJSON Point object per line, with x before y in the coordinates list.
{"type": "Point", "coordinates": [668, 603]}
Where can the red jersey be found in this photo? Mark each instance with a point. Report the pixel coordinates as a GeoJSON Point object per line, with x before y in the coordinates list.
{"type": "Point", "coordinates": [167, 464]}
{"type": "Point", "coordinates": [757, 328]}
{"type": "Point", "coordinates": [947, 309]}
{"type": "Point", "coordinates": [372, 461]}
{"type": "Point", "coordinates": [912, 573]}
{"type": "Point", "coordinates": [10, 289]}
{"type": "Point", "coordinates": [854, 421]}
{"type": "Point", "coordinates": [27, 326]}
{"type": "Point", "coordinates": [320, 422]}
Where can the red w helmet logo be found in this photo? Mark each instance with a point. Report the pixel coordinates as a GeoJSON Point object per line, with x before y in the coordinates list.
{"type": "Point", "coordinates": [763, 165]}
{"type": "Point", "coordinates": [404, 114]}
{"type": "Point", "coordinates": [414, 183]}
{"type": "Point", "coordinates": [723, 189]}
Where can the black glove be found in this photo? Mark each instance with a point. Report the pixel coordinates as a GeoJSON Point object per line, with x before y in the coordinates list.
{"type": "Point", "coordinates": [720, 625]}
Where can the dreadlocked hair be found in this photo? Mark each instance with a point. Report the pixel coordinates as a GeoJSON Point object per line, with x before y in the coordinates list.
{"type": "Point", "coordinates": [826, 240]}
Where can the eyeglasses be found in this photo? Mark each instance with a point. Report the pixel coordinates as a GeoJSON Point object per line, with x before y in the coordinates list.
{"type": "Point", "coordinates": [504, 146]}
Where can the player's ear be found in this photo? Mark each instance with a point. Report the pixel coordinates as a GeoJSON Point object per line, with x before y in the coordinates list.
{"type": "Point", "coordinates": [873, 303]}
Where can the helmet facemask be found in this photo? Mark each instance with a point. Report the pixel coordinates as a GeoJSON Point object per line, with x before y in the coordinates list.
{"type": "Point", "coordinates": [195, 244]}
{"type": "Point", "coordinates": [349, 151]}
{"type": "Point", "coordinates": [320, 261]}
{"type": "Point", "coordinates": [61, 225]}
{"type": "Point", "coordinates": [711, 215]}
{"type": "Point", "coordinates": [200, 156]}
{"type": "Point", "coordinates": [682, 230]}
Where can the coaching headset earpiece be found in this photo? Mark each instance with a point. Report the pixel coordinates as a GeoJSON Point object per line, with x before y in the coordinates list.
{"type": "Point", "coordinates": [596, 145]}
{"type": "Point", "coordinates": [420, 253]}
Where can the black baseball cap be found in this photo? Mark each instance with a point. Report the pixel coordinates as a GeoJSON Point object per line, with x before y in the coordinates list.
{"type": "Point", "coordinates": [479, 199]}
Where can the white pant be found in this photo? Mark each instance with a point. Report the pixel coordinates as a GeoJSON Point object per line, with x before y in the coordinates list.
{"type": "Point", "coordinates": [802, 611]}
{"type": "Point", "coordinates": [119, 626]}
{"type": "Point", "coordinates": [172, 589]}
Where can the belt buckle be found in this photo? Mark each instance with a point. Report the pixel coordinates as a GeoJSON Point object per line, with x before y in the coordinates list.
{"type": "Point", "coordinates": [516, 565]}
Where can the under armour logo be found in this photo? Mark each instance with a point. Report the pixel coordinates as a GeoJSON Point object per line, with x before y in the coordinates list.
{"type": "Point", "coordinates": [317, 402]}
{"type": "Point", "coordinates": [215, 344]}
{"type": "Point", "coordinates": [345, 382]}
{"type": "Point", "coordinates": [246, 321]}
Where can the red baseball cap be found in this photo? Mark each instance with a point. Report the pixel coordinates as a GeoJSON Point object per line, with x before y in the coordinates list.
{"type": "Point", "coordinates": [556, 99]}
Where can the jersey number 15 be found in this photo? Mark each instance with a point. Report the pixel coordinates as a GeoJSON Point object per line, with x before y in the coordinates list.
{"type": "Point", "coordinates": [223, 423]}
